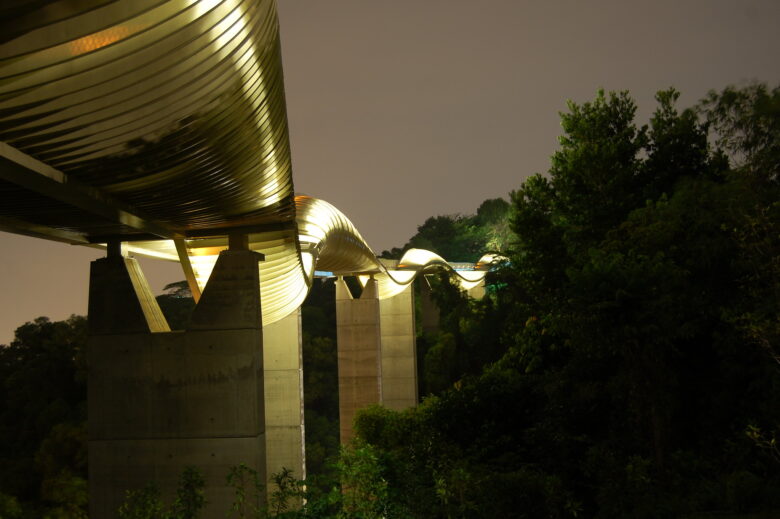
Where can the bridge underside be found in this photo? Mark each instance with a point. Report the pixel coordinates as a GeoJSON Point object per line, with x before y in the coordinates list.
{"type": "Point", "coordinates": [153, 118]}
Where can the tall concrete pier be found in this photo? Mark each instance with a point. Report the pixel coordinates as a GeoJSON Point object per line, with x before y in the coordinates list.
{"type": "Point", "coordinates": [399, 350]}
{"type": "Point", "coordinates": [159, 402]}
{"type": "Point", "coordinates": [359, 352]}
{"type": "Point", "coordinates": [377, 359]}
{"type": "Point", "coordinates": [377, 346]}
{"type": "Point", "coordinates": [283, 369]}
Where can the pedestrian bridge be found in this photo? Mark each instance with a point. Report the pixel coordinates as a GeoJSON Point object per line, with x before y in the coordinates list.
{"type": "Point", "coordinates": [159, 128]}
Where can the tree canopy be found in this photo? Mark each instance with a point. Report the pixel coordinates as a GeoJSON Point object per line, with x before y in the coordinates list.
{"type": "Point", "coordinates": [636, 325]}
{"type": "Point", "coordinates": [43, 452]}
{"type": "Point", "coordinates": [462, 238]}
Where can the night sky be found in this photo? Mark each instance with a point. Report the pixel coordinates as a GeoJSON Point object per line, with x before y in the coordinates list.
{"type": "Point", "coordinates": [412, 108]}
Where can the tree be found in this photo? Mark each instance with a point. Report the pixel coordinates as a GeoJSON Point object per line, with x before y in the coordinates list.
{"type": "Point", "coordinates": [321, 406]}
{"type": "Point", "coordinates": [642, 263]}
{"type": "Point", "coordinates": [62, 462]}
{"type": "Point", "coordinates": [462, 237]}
{"type": "Point", "coordinates": [146, 503]}
{"type": "Point", "coordinates": [627, 260]}
{"type": "Point", "coordinates": [177, 304]}
{"type": "Point", "coordinates": [42, 408]}
{"type": "Point", "coordinates": [746, 125]}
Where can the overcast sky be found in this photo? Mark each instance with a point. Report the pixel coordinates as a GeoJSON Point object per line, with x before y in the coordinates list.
{"type": "Point", "coordinates": [405, 109]}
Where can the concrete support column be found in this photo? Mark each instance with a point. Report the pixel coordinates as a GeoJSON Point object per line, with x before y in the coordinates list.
{"type": "Point", "coordinates": [159, 402]}
{"type": "Point", "coordinates": [359, 357]}
{"type": "Point", "coordinates": [477, 292]}
{"type": "Point", "coordinates": [399, 350]}
{"type": "Point", "coordinates": [283, 361]}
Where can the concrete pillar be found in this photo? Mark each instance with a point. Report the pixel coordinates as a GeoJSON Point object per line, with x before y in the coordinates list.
{"type": "Point", "coordinates": [477, 292]}
{"type": "Point", "coordinates": [283, 361]}
{"type": "Point", "coordinates": [399, 350]}
{"type": "Point", "coordinates": [359, 359]}
{"type": "Point", "coordinates": [158, 402]}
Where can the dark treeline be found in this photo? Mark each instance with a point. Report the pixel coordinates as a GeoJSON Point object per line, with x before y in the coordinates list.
{"type": "Point", "coordinates": [636, 323]}
{"type": "Point", "coordinates": [43, 413]}
{"type": "Point", "coordinates": [624, 362]}
{"type": "Point", "coordinates": [43, 451]}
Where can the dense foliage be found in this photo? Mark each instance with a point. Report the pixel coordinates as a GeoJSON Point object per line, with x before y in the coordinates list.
{"type": "Point", "coordinates": [638, 320]}
{"type": "Point", "coordinates": [462, 237]}
{"type": "Point", "coordinates": [43, 455]}
{"type": "Point", "coordinates": [176, 304]}
{"type": "Point", "coordinates": [320, 386]}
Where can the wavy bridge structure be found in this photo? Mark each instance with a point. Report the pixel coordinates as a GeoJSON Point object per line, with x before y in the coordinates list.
{"type": "Point", "coordinates": [159, 128]}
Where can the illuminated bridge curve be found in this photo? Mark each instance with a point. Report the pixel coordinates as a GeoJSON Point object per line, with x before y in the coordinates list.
{"type": "Point", "coordinates": [162, 125]}
{"type": "Point", "coordinates": [325, 243]}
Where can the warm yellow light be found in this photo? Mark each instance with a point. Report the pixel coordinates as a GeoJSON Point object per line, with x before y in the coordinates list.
{"type": "Point", "coordinates": [99, 39]}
